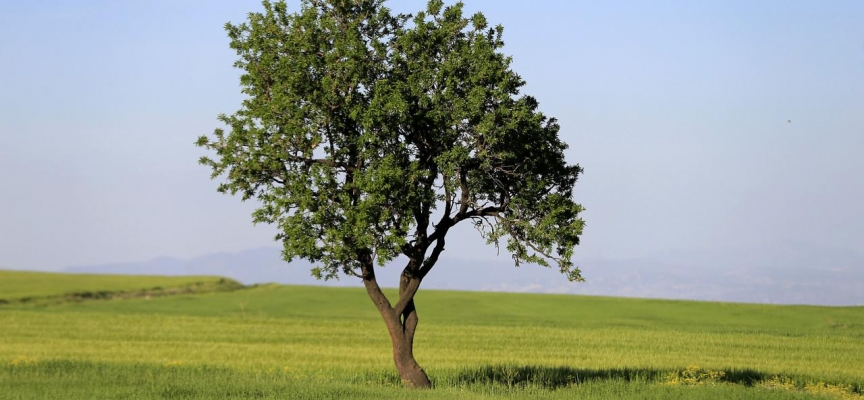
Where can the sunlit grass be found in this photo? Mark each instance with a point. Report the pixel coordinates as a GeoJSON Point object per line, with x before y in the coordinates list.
{"type": "Point", "coordinates": [325, 341]}
{"type": "Point", "coordinates": [28, 286]}
{"type": "Point", "coordinates": [87, 380]}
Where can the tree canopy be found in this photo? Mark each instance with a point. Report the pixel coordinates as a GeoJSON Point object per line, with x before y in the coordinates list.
{"type": "Point", "coordinates": [366, 135]}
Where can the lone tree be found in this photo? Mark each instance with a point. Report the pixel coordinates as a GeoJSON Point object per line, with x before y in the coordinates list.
{"type": "Point", "coordinates": [367, 135]}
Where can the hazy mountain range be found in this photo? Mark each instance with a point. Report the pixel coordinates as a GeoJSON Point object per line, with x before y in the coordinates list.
{"type": "Point", "coordinates": [781, 276]}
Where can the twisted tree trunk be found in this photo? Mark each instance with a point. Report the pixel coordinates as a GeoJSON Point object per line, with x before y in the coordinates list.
{"type": "Point", "coordinates": [402, 336]}
{"type": "Point", "coordinates": [401, 321]}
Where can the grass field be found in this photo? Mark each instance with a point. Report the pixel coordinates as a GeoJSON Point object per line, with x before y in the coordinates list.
{"type": "Point", "coordinates": [308, 342]}
{"type": "Point", "coordinates": [26, 286]}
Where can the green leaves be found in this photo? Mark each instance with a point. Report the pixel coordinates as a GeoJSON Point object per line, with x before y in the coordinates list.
{"type": "Point", "coordinates": [359, 124]}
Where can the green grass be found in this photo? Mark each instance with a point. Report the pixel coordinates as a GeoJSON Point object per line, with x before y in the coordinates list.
{"type": "Point", "coordinates": [309, 342]}
{"type": "Point", "coordinates": [27, 286]}
{"type": "Point", "coordinates": [85, 380]}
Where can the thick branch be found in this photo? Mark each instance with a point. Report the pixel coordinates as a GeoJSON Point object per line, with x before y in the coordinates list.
{"type": "Point", "coordinates": [446, 223]}
{"type": "Point", "coordinates": [448, 199]}
{"type": "Point", "coordinates": [413, 274]}
{"type": "Point", "coordinates": [491, 211]}
{"type": "Point", "coordinates": [440, 230]}
{"type": "Point", "coordinates": [409, 282]}
{"type": "Point", "coordinates": [463, 186]}
{"type": "Point", "coordinates": [406, 296]}
{"type": "Point", "coordinates": [433, 258]}
{"type": "Point", "coordinates": [367, 268]}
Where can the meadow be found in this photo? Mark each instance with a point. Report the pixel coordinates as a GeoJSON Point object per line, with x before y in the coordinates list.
{"type": "Point", "coordinates": [29, 286]}
{"type": "Point", "coordinates": [272, 341]}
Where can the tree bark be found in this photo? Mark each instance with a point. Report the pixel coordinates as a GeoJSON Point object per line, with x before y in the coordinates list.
{"type": "Point", "coordinates": [401, 324]}
{"type": "Point", "coordinates": [402, 336]}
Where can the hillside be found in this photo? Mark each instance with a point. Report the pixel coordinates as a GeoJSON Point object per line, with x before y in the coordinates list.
{"type": "Point", "coordinates": [16, 286]}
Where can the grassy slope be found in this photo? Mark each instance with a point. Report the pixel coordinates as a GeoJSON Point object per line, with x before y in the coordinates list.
{"type": "Point", "coordinates": [328, 342]}
{"type": "Point", "coordinates": [17, 285]}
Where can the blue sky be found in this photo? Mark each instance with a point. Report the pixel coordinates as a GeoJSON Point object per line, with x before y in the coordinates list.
{"type": "Point", "coordinates": [678, 111]}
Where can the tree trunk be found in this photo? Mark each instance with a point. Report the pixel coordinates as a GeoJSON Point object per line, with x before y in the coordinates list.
{"type": "Point", "coordinates": [400, 325]}
{"type": "Point", "coordinates": [402, 335]}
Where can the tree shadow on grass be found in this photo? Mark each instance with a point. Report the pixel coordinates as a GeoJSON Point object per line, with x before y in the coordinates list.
{"type": "Point", "coordinates": [558, 377]}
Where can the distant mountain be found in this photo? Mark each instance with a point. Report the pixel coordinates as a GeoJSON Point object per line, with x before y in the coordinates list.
{"type": "Point", "coordinates": [827, 279]}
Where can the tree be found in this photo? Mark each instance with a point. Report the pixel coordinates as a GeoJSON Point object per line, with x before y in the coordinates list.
{"type": "Point", "coordinates": [366, 135]}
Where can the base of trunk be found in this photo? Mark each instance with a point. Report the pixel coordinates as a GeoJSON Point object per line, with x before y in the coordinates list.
{"type": "Point", "coordinates": [413, 376]}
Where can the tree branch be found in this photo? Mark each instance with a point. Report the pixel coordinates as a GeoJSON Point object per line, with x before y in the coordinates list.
{"type": "Point", "coordinates": [448, 202]}
{"type": "Point", "coordinates": [433, 258]}
{"type": "Point", "coordinates": [323, 161]}
{"type": "Point", "coordinates": [463, 185]}
{"type": "Point", "coordinates": [527, 243]}
{"type": "Point", "coordinates": [367, 268]}
{"type": "Point", "coordinates": [409, 323]}
{"type": "Point", "coordinates": [491, 211]}
{"type": "Point", "coordinates": [407, 290]}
